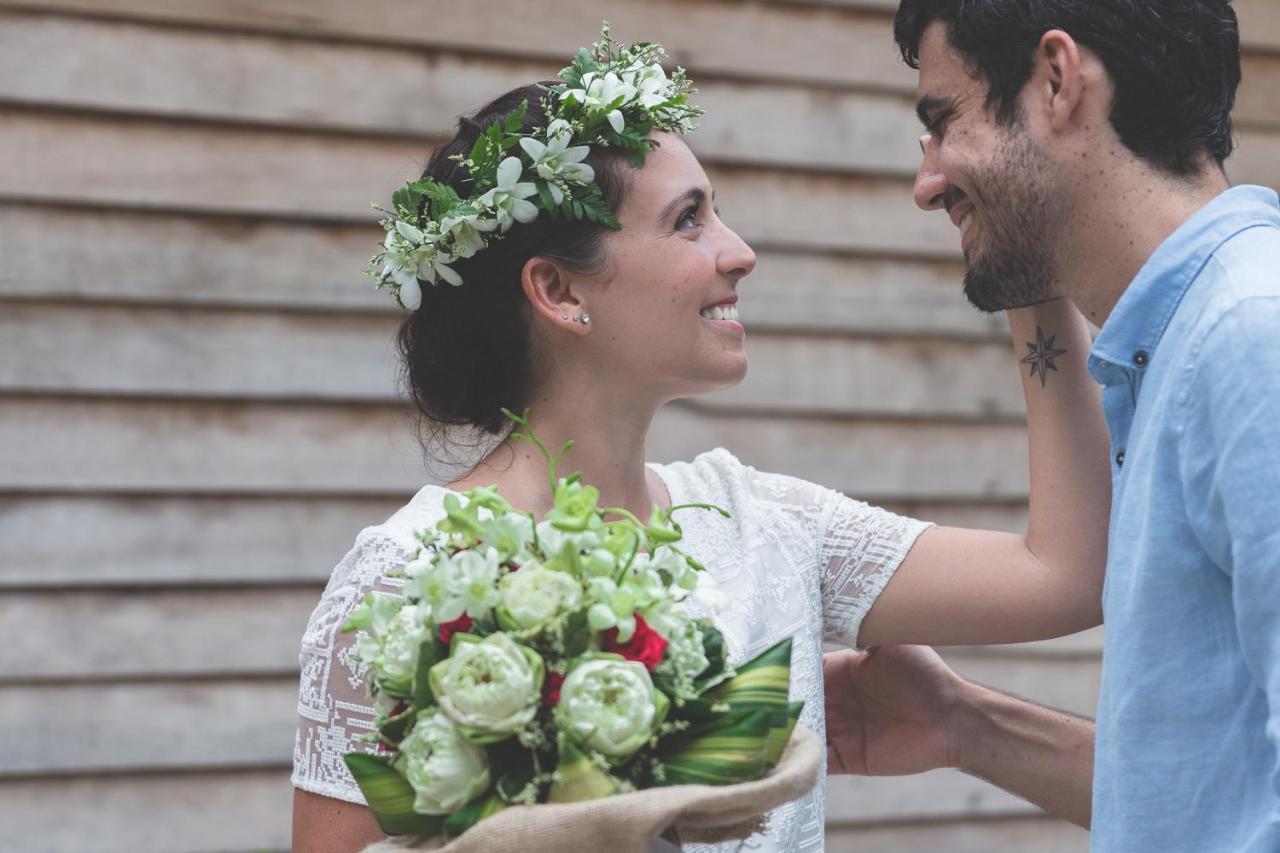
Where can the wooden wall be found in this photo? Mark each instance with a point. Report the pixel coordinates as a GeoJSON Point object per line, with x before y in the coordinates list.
{"type": "Point", "coordinates": [197, 398]}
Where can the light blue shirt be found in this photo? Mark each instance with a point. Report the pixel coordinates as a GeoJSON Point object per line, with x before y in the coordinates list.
{"type": "Point", "coordinates": [1189, 715]}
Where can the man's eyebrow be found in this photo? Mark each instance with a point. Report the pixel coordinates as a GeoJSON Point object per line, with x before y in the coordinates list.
{"type": "Point", "coordinates": [692, 194]}
{"type": "Point", "coordinates": [930, 104]}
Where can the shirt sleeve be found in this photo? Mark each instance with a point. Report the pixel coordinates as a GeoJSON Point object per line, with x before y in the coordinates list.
{"type": "Point", "coordinates": [859, 548]}
{"type": "Point", "coordinates": [333, 706]}
{"type": "Point", "coordinates": [1231, 473]}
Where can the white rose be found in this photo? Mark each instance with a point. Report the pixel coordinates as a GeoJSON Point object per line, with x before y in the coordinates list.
{"type": "Point", "coordinates": [444, 769]}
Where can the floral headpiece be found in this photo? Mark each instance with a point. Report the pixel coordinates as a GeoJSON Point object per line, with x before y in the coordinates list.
{"type": "Point", "coordinates": [612, 96]}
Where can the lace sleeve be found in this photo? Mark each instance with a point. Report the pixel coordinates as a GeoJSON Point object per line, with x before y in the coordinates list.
{"type": "Point", "coordinates": [860, 547]}
{"type": "Point", "coordinates": [333, 709]}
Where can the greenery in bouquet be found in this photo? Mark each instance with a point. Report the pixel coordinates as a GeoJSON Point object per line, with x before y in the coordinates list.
{"type": "Point", "coordinates": [553, 660]}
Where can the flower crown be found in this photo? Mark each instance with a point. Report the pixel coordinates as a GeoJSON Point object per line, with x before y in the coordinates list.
{"type": "Point", "coordinates": [612, 96]}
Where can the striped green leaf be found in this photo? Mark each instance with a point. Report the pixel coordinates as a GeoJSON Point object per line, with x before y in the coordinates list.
{"type": "Point", "coordinates": [764, 680]}
{"type": "Point", "coordinates": [780, 732]}
{"type": "Point", "coordinates": [390, 796]}
{"type": "Point", "coordinates": [732, 748]}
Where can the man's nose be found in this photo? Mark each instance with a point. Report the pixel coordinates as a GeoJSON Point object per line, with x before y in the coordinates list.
{"type": "Point", "coordinates": [930, 188]}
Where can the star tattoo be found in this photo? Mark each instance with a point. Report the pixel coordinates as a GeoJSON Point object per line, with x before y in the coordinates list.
{"type": "Point", "coordinates": [1041, 355]}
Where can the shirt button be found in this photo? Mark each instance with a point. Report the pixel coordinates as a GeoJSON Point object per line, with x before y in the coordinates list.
{"type": "Point", "coordinates": [1141, 358]}
{"type": "Point", "coordinates": [1120, 458]}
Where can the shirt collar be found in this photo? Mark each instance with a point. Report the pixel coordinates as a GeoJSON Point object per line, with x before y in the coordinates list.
{"type": "Point", "coordinates": [1132, 332]}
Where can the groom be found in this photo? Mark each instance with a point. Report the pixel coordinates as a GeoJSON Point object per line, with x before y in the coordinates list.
{"type": "Point", "coordinates": [1078, 146]}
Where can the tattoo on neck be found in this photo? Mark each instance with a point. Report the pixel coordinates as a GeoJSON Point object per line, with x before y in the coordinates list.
{"type": "Point", "coordinates": [1040, 356]}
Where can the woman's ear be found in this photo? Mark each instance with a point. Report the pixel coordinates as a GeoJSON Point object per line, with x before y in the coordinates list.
{"type": "Point", "coordinates": [547, 287]}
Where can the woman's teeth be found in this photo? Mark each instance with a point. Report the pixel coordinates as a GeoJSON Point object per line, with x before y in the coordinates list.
{"type": "Point", "coordinates": [721, 312]}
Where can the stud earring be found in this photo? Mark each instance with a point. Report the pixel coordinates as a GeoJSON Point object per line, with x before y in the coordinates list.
{"type": "Point", "coordinates": [585, 318]}
{"type": "Point", "coordinates": [564, 316]}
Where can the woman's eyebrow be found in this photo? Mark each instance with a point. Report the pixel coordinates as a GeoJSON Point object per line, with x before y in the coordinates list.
{"type": "Point", "coordinates": [692, 194]}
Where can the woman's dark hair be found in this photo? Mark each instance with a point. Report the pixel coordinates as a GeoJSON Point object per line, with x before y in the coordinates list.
{"type": "Point", "coordinates": [466, 351]}
{"type": "Point", "coordinates": [1175, 64]}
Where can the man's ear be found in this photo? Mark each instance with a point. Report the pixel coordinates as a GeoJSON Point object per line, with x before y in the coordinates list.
{"type": "Point", "coordinates": [1060, 78]}
{"type": "Point", "coordinates": [551, 295]}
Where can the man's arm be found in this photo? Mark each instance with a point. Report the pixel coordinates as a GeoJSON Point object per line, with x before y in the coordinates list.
{"type": "Point", "coordinates": [959, 586]}
{"type": "Point", "coordinates": [896, 710]}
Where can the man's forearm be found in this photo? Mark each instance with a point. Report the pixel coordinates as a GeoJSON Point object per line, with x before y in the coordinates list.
{"type": "Point", "coordinates": [1040, 754]}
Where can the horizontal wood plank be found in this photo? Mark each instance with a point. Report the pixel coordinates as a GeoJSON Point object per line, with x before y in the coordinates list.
{"type": "Point", "coordinates": [67, 635]}
{"type": "Point", "coordinates": [939, 794]}
{"type": "Point", "coordinates": [154, 813]}
{"type": "Point", "coordinates": [139, 257]}
{"type": "Point", "coordinates": [1015, 835]}
{"type": "Point", "coordinates": [111, 541]}
{"type": "Point", "coordinates": [136, 447]}
{"type": "Point", "coordinates": [167, 812]}
{"type": "Point", "coordinates": [282, 174]}
{"type": "Point", "coordinates": [808, 40]}
{"type": "Point", "coordinates": [1066, 683]}
{"type": "Point", "coordinates": [707, 37]}
{"type": "Point", "coordinates": [289, 175]}
{"type": "Point", "coordinates": [355, 88]}
{"type": "Point", "coordinates": [69, 541]}
{"type": "Point", "coordinates": [214, 353]}
{"type": "Point", "coordinates": [104, 727]}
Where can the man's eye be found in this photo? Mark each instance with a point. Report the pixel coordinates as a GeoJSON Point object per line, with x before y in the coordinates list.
{"type": "Point", "coordinates": [688, 218]}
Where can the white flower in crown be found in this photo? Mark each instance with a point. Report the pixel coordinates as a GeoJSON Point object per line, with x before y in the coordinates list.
{"type": "Point", "coordinates": [468, 230]}
{"type": "Point", "coordinates": [554, 160]}
{"type": "Point", "coordinates": [599, 91]}
{"type": "Point", "coordinates": [652, 83]}
{"type": "Point", "coordinates": [405, 248]}
{"type": "Point", "coordinates": [507, 199]}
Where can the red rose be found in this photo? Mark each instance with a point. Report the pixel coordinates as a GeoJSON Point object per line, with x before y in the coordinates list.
{"type": "Point", "coordinates": [646, 645]}
{"type": "Point", "coordinates": [447, 629]}
{"type": "Point", "coordinates": [551, 688]}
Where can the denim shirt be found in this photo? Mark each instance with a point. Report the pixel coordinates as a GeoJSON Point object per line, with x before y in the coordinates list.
{"type": "Point", "coordinates": [1189, 714]}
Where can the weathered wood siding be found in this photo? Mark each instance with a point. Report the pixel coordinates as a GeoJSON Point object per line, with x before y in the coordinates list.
{"type": "Point", "coordinates": [197, 391]}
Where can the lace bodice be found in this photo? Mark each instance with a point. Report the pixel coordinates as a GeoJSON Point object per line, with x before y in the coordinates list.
{"type": "Point", "coordinates": [796, 559]}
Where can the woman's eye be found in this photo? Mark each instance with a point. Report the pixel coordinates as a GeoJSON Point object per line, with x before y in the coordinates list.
{"type": "Point", "coordinates": [687, 219]}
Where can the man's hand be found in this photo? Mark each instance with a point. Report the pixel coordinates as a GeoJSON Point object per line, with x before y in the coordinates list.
{"type": "Point", "coordinates": [894, 710]}
{"type": "Point", "coordinates": [888, 710]}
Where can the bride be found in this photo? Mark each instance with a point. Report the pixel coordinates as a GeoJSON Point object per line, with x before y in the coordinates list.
{"type": "Point", "coordinates": [593, 329]}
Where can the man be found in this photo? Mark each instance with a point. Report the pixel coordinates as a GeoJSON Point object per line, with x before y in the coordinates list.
{"type": "Point", "coordinates": [1078, 146]}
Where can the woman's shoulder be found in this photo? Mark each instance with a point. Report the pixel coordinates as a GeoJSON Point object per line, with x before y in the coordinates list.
{"type": "Point", "coordinates": [718, 475]}
{"type": "Point", "coordinates": [389, 544]}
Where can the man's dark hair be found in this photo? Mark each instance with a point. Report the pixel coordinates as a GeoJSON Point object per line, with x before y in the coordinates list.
{"type": "Point", "coordinates": [1175, 64]}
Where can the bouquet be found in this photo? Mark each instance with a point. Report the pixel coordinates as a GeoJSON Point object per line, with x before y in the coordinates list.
{"type": "Point", "coordinates": [553, 661]}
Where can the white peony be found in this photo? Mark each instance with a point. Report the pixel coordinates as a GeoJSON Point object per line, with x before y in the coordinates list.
{"type": "Point", "coordinates": [492, 685]}
{"type": "Point", "coordinates": [445, 770]}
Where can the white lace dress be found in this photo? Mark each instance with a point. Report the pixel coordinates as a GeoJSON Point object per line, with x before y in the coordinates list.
{"type": "Point", "coordinates": [796, 559]}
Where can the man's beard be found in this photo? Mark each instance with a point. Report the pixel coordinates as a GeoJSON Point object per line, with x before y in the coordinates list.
{"type": "Point", "coordinates": [1014, 266]}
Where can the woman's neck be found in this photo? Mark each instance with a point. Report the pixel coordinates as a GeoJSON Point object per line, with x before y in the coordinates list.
{"type": "Point", "coordinates": [608, 433]}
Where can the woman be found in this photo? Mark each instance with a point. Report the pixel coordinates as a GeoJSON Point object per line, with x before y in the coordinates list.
{"type": "Point", "coordinates": [593, 330]}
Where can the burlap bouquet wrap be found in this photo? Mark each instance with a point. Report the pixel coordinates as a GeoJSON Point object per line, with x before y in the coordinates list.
{"type": "Point", "coordinates": [626, 823]}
